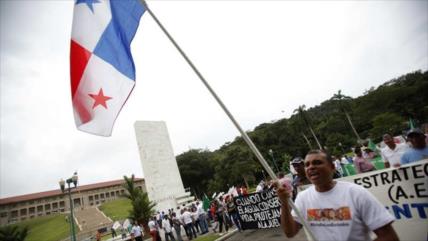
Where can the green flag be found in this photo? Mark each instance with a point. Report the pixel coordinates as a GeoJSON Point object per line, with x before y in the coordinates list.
{"type": "Point", "coordinates": [372, 145]}
{"type": "Point", "coordinates": [205, 203]}
{"type": "Point", "coordinates": [411, 124]}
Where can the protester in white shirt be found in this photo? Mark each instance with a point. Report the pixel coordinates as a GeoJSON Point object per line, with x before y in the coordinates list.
{"type": "Point", "coordinates": [344, 160]}
{"type": "Point", "coordinates": [152, 227]}
{"type": "Point", "coordinates": [177, 225]}
{"type": "Point", "coordinates": [187, 220]}
{"type": "Point", "coordinates": [335, 210]}
{"type": "Point", "coordinates": [195, 217]}
{"type": "Point", "coordinates": [392, 152]}
{"type": "Point", "coordinates": [261, 186]}
{"type": "Point", "coordinates": [202, 216]}
{"type": "Point", "coordinates": [167, 228]}
{"type": "Point", "coordinates": [137, 232]}
{"type": "Point", "coordinates": [338, 166]}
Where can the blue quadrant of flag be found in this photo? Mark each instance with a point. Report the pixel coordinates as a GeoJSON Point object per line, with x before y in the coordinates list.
{"type": "Point", "coordinates": [114, 44]}
{"type": "Point", "coordinates": [89, 3]}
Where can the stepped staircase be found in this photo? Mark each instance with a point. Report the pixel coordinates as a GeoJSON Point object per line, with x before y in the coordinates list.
{"type": "Point", "coordinates": [90, 218]}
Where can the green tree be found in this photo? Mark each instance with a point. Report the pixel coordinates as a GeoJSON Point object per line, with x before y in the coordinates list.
{"type": "Point", "coordinates": [377, 111]}
{"type": "Point", "coordinates": [387, 123]}
{"type": "Point", "coordinates": [302, 114]}
{"type": "Point", "coordinates": [13, 233]}
{"type": "Point", "coordinates": [286, 163]}
{"type": "Point", "coordinates": [196, 169]}
{"type": "Point", "coordinates": [142, 207]}
{"type": "Point", "coordinates": [340, 102]}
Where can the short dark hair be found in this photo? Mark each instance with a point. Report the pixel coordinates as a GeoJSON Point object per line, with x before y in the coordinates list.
{"type": "Point", "coordinates": [357, 149]}
{"type": "Point", "coordinates": [318, 151]}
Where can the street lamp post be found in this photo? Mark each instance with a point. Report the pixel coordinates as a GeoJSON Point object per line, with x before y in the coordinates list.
{"type": "Point", "coordinates": [70, 180]}
{"type": "Point", "coordinates": [273, 160]}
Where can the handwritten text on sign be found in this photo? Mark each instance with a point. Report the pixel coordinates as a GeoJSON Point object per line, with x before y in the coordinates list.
{"type": "Point", "coordinates": [259, 210]}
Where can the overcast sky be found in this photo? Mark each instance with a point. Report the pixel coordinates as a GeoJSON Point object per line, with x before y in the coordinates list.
{"type": "Point", "coordinates": [263, 58]}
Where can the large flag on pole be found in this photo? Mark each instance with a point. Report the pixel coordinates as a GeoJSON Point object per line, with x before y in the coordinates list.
{"type": "Point", "coordinates": [101, 65]}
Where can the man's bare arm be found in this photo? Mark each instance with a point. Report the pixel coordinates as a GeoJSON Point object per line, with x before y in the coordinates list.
{"type": "Point", "coordinates": [386, 233]}
{"type": "Point", "coordinates": [289, 226]}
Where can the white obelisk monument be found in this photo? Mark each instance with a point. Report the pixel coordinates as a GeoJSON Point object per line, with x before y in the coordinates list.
{"type": "Point", "coordinates": [162, 177]}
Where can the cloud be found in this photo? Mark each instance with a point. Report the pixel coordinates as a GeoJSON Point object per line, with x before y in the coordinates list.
{"type": "Point", "coordinates": [261, 58]}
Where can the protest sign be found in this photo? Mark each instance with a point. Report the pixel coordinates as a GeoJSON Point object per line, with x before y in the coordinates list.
{"type": "Point", "coordinates": [404, 192]}
{"type": "Point", "coordinates": [258, 210]}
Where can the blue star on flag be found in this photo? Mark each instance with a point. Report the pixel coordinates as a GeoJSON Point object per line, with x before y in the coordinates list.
{"type": "Point", "coordinates": [89, 3]}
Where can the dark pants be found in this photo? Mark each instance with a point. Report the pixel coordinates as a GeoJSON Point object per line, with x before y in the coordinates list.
{"type": "Point", "coordinates": [158, 237]}
{"type": "Point", "coordinates": [169, 235]}
{"type": "Point", "coordinates": [190, 231]}
{"type": "Point", "coordinates": [196, 225]}
{"type": "Point", "coordinates": [203, 223]}
{"type": "Point", "coordinates": [178, 232]}
{"type": "Point", "coordinates": [221, 222]}
{"type": "Point", "coordinates": [139, 238]}
{"type": "Point", "coordinates": [235, 219]}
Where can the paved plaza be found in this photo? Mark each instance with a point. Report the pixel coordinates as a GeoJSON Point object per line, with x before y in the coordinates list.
{"type": "Point", "coordinates": [273, 234]}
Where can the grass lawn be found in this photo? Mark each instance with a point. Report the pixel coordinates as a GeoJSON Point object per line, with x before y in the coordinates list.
{"type": "Point", "coordinates": [117, 209]}
{"type": "Point", "coordinates": [208, 237]}
{"type": "Point", "coordinates": [49, 228]}
{"type": "Point", "coordinates": [106, 237]}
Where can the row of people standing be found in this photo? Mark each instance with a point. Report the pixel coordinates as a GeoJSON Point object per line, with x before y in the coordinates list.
{"type": "Point", "coordinates": [193, 219]}
{"type": "Point", "coordinates": [394, 154]}
{"type": "Point", "coordinates": [224, 214]}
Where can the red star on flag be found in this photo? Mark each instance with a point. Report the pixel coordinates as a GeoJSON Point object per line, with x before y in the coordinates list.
{"type": "Point", "coordinates": [100, 99]}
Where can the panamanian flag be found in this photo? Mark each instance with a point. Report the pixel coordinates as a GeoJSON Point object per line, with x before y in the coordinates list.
{"type": "Point", "coordinates": [101, 66]}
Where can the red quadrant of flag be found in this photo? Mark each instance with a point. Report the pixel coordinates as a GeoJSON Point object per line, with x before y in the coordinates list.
{"type": "Point", "coordinates": [79, 58]}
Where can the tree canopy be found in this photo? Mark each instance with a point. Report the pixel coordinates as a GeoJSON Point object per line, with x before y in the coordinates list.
{"type": "Point", "coordinates": [385, 109]}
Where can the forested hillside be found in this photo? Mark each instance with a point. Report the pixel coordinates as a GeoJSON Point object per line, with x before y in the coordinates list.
{"type": "Point", "coordinates": [386, 108]}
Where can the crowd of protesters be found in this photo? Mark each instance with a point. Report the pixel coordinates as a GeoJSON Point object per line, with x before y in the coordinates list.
{"type": "Point", "coordinates": [192, 219]}
{"type": "Point", "coordinates": [222, 214]}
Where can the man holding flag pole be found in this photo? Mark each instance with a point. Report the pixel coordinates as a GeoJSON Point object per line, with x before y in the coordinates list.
{"type": "Point", "coordinates": [336, 210]}
{"type": "Point", "coordinates": [103, 72]}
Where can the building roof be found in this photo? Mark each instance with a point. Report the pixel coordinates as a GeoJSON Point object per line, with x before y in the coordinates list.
{"type": "Point", "coordinates": [38, 195]}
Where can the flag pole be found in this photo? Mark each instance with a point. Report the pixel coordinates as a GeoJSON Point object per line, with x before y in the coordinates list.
{"type": "Point", "coordinates": [243, 133]}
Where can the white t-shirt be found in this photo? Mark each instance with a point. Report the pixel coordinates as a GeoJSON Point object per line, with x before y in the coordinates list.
{"type": "Point", "coordinates": [346, 212]}
{"type": "Point", "coordinates": [186, 217]}
{"type": "Point", "coordinates": [178, 213]}
{"type": "Point", "coordinates": [344, 161]}
{"type": "Point", "coordinates": [338, 166]}
{"type": "Point", "coordinates": [200, 209]}
{"type": "Point", "coordinates": [394, 156]}
{"type": "Point", "coordinates": [166, 225]}
{"type": "Point", "coordinates": [152, 225]}
{"type": "Point", "coordinates": [136, 230]}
